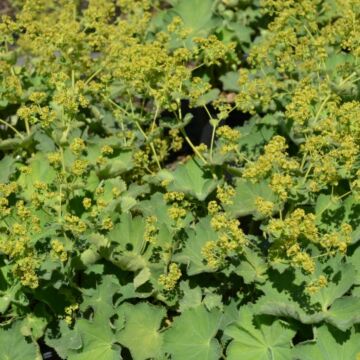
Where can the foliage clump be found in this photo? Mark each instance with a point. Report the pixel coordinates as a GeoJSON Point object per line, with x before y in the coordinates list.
{"type": "Point", "coordinates": [123, 234]}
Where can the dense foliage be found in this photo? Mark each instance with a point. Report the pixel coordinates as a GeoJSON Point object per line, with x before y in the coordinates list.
{"type": "Point", "coordinates": [180, 179]}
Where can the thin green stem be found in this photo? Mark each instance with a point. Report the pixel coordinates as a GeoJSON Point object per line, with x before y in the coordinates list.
{"type": "Point", "coordinates": [145, 136]}
{"type": "Point", "coordinates": [60, 203]}
{"type": "Point", "coordinates": [303, 161]}
{"type": "Point", "coordinates": [343, 82]}
{"type": "Point", "coordinates": [112, 102]}
{"type": "Point", "coordinates": [343, 195]}
{"type": "Point", "coordinates": [194, 149]}
{"type": "Point", "coordinates": [12, 128]}
{"type": "Point", "coordinates": [214, 126]}
{"type": "Point", "coordinates": [187, 139]}
{"type": "Point", "coordinates": [154, 119]}
{"type": "Point", "coordinates": [155, 155]}
{"type": "Point", "coordinates": [151, 144]}
{"type": "Point", "coordinates": [307, 174]}
{"type": "Point", "coordinates": [93, 75]}
{"type": "Point", "coordinates": [233, 170]}
{"type": "Point", "coordinates": [212, 142]}
{"type": "Point", "coordinates": [242, 156]}
{"type": "Point", "coordinates": [322, 255]}
{"type": "Point", "coordinates": [321, 107]}
{"type": "Point", "coordinates": [73, 80]}
{"type": "Point", "coordinates": [197, 67]}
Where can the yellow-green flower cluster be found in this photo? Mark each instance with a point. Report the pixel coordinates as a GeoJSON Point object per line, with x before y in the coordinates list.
{"type": "Point", "coordinates": [256, 91]}
{"type": "Point", "coordinates": [79, 167]}
{"type": "Point", "coordinates": [296, 224]}
{"type": "Point", "coordinates": [213, 207]}
{"type": "Point", "coordinates": [176, 139]}
{"type": "Point", "coordinates": [214, 51]}
{"type": "Point", "coordinates": [314, 286]}
{"type": "Point", "coordinates": [264, 207]}
{"type": "Point", "coordinates": [35, 113]}
{"type": "Point", "coordinates": [77, 146]}
{"type": "Point", "coordinates": [337, 240]}
{"type": "Point", "coordinates": [70, 313]}
{"type": "Point", "coordinates": [26, 270]}
{"type": "Point", "coordinates": [225, 194]}
{"type": "Point", "coordinates": [229, 139]}
{"type": "Point", "coordinates": [231, 241]}
{"type": "Point", "coordinates": [74, 224]}
{"type": "Point", "coordinates": [58, 250]}
{"type": "Point", "coordinates": [170, 280]}
{"type": "Point", "coordinates": [21, 224]}
{"type": "Point", "coordinates": [151, 230]}
{"type": "Point", "coordinates": [107, 224]}
{"type": "Point", "coordinates": [177, 210]}
{"type": "Point", "coordinates": [274, 158]}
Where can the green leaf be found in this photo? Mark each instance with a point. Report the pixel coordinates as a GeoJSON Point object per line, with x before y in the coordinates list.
{"type": "Point", "coordinates": [242, 32]}
{"type": "Point", "coordinates": [354, 259]}
{"type": "Point", "coordinates": [352, 211]}
{"type": "Point", "coordinates": [256, 133]}
{"type": "Point", "coordinates": [40, 171]}
{"type": "Point", "coordinates": [101, 299]}
{"type": "Point", "coordinates": [44, 142]}
{"type": "Point", "coordinates": [35, 323]}
{"type": "Point", "coordinates": [129, 236]}
{"type": "Point", "coordinates": [6, 168]}
{"type": "Point", "coordinates": [98, 341]}
{"type": "Point", "coordinates": [191, 254]}
{"type": "Point", "coordinates": [131, 252]}
{"type": "Point", "coordinates": [156, 206]}
{"type": "Point", "coordinates": [208, 97]}
{"type": "Point", "coordinates": [326, 346]}
{"type": "Point", "coordinates": [117, 166]}
{"type": "Point", "coordinates": [140, 334]}
{"type": "Point", "coordinates": [323, 204]}
{"type": "Point", "coordinates": [252, 268]}
{"type": "Point", "coordinates": [192, 335]}
{"type": "Point", "coordinates": [245, 195]}
{"type": "Point", "coordinates": [129, 233]}
{"type": "Point", "coordinates": [92, 182]}
{"type": "Point", "coordinates": [212, 301]}
{"type": "Point", "coordinates": [12, 294]}
{"type": "Point", "coordinates": [201, 21]}
{"type": "Point", "coordinates": [340, 282]}
{"type": "Point", "coordinates": [281, 304]}
{"type": "Point", "coordinates": [68, 340]}
{"type": "Point", "coordinates": [344, 312]}
{"type": "Point", "coordinates": [258, 338]}
{"type": "Point", "coordinates": [331, 213]}
{"type": "Point", "coordinates": [142, 277]}
{"type": "Point", "coordinates": [191, 296]}
{"type": "Point", "coordinates": [327, 304]}
{"type": "Point", "coordinates": [230, 81]}
{"type": "Point", "coordinates": [191, 179]}
{"type": "Point", "coordinates": [14, 346]}
{"type": "Point", "coordinates": [127, 203]}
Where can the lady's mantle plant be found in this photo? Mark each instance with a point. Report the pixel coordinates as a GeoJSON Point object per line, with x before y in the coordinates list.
{"type": "Point", "coordinates": [123, 236]}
